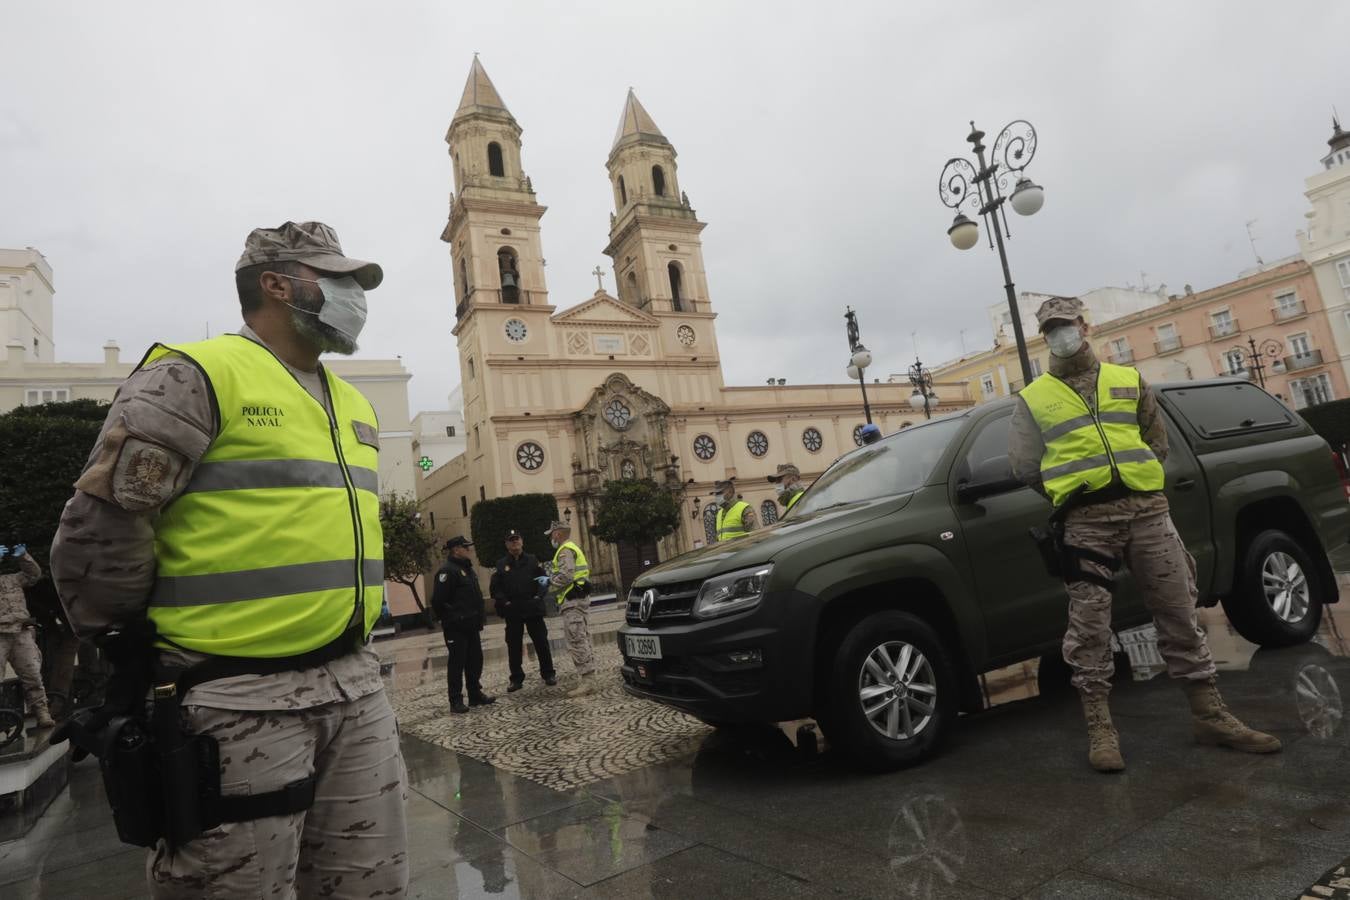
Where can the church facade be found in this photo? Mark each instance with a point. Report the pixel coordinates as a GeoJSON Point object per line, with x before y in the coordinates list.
{"type": "Point", "coordinates": [563, 398]}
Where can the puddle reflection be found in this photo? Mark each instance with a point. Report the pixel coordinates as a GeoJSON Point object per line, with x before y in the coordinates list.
{"type": "Point", "coordinates": [928, 845]}
{"type": "Point", "coordinates": [1307, 673]}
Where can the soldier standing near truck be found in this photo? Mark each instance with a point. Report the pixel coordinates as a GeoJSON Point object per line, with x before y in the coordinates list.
{"type": "Point", "coordinates": [1089, 436]}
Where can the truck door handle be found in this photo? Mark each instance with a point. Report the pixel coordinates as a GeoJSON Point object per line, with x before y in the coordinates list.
{"type": "Point", "coordinates": [1185, 484]}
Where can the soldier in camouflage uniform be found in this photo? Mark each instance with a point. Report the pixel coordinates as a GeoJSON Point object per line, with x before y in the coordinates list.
{"type": "Point", "coordinates": [1133, 527]}
{"type": "Point", "coordinates": [332, 721]}
{"type": "Point", "coordinates": [568, 569]}
{"type": "Point", "coordinates": [17, 643]}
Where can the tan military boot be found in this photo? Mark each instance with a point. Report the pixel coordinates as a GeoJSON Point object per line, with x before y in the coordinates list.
{"type": "Point", "coordinates": [1216, 726]}
{"type": "Point", "coordinates": [1103, 742]}
{"type": "Point", "coordinates": [586, 687]}
{"type": "Point", "coordinates": [44, 717]}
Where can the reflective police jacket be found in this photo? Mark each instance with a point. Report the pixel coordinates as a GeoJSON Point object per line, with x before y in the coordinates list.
{"type": "Point", "coordinates": [274, 547]}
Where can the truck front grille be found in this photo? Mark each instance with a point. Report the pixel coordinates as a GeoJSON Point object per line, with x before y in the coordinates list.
{"type": "Point", "coordinates": [674, 602]}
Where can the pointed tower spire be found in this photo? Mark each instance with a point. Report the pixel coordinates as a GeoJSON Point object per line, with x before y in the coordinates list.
{"type": "Point", "coordinates": [636, 125]}
{"type": "Point", "coordinates": [480, 94]}
{"type": "Point", "coordinates": [1339, 141]}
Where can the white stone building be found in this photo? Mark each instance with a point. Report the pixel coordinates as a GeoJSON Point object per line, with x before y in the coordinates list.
{"type": "Point", "coordinates": [1326, 242]}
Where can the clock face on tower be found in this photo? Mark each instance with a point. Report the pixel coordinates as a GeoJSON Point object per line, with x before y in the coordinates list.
{"type": "Point", "coordinates": [686, 335]}
{"type": "Point", "coordinates": [516, 332]}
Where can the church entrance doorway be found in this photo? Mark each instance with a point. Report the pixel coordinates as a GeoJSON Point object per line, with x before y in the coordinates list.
{"type": "Point", "coordinates": [634, 559]}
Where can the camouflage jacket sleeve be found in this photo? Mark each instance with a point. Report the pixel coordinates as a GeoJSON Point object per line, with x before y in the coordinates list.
{"type": "Point", "coordinates": [564, 571]}
{"type": "Point", "coordinates": [1026, 447]}
{"type": "Point", "coordinates": [30, 573]}
{"type": "Point", "coordinates": [1152, 426]}
{"type": "Point", "coordinates": [103, 557]}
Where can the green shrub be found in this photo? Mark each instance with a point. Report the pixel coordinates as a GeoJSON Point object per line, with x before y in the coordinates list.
{"type": "Point", "coordinates": [44, 449]}
{"type": "Point", "coordinates": [1330, 420]}
{"type": "Point", "coordinates": [530, 514]}
{"type": "Point", "coordinates": [636, 510]}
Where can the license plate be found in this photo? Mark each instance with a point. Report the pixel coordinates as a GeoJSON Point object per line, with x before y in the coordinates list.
{"type": "Point", "coordinates": [643, 646]}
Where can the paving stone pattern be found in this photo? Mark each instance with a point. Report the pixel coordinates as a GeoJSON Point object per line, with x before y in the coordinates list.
{"type": "Point", "coordinates": [1335, 885]}
{"type": "Point", "coordinates": [539, 734]}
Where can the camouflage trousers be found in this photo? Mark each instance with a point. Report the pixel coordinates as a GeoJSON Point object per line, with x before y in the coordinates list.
{"type": "Point", "coordinates": [1143, 536]}
{"type": "Point", "coordinates": [351, 843]}
{"type": "Point", "coordinates": [20, 650]}
{"type": "Point", "coordinates": [576, 616]}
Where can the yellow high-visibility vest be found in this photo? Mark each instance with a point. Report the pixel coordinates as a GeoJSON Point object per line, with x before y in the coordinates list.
{"type": "Point", "coordinates": [731, 521]}
{"type": "Point", "coordinates": [274, 547]}
{"type": "Point", "coordinates": [792, 500]}
{"type": "Point", "coordinates": [1092, 444]}
{"type": "Point", "coordinates": [581, 573]}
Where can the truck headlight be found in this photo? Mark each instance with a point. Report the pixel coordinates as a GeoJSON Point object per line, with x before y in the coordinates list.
{"type": "Point", "coordinates": [732, 592]}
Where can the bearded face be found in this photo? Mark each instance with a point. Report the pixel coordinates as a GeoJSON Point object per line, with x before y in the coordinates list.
{"type": "Point", "coordinates": [307, 302]}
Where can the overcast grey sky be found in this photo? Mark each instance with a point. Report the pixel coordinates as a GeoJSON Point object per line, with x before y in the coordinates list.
{"type": "Point", "coordinates": [140, 142]}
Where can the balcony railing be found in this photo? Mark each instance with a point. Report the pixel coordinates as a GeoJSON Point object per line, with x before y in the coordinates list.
{"type": "Point", "coordinates": [1167, 345]}
{"type": "Point", "coordinates": [1224, 329]}
{"type": "Point", "coordinates": [1121, 357]}
{"type": "Point", "coordinates": [1285, 313]}
{"type": "Point", "coordinates": [496, 295]}
{"type": "Point", "coordinates": [1300, 361]}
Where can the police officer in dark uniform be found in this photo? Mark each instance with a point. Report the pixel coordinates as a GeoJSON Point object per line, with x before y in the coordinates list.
{"type": "Point", "coordinates": [458, 602]}
{"type": "Point", "coordinates": [519, 599]}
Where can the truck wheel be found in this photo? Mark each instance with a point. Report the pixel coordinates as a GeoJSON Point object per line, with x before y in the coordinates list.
{"type": "Point", "coordinates": [892, 695]}
{"type": "Point", "coordinates": [1277, 600]}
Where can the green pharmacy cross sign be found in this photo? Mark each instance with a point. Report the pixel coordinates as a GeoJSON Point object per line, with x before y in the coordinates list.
{"type": "Point", "coordinates": [425, 463]}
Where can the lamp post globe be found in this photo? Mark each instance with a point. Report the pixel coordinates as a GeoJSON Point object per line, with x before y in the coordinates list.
{"type": "Point", "coordinates": [1027, 198]}
{"type": "Point", "coordinates": [853, 373]}
{"type": "Point", "coordinates": [964, 233]}
{"type": "Point", "coordinates": [862, 357]}
{"type": "Point", "coordinates": [916, 400]}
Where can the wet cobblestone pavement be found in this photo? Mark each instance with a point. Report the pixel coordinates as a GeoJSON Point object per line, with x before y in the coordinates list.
{"type": "Point", "coordinates": [509, 802]}
{"type": "Point", "coordinates": [540, 734]}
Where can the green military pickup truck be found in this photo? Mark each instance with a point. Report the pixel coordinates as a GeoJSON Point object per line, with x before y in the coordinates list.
{"type": "Point", "coordinates": [907, 570]}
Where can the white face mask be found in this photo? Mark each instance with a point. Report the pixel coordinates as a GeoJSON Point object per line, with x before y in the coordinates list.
{"type": "Point", "coordinates": [1065, 340]}
{"type": "Point", "coordinates": [344, 305]}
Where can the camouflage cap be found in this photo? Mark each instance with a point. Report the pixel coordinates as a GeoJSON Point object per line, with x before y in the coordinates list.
{"type": "Point", "coordinates": [720, 486]}
{"type": "Point", "coordinates": [312, 243]}
{"type": "Point", "coordinates": [1064, 308]}
{"type": "Point", "coordinates": [785, 470]}
{"type": "Point", "coordinates": [557, 526]}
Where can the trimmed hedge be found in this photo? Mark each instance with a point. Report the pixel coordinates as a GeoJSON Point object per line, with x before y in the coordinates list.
{"type": "Point", "coordinates": [530, 514]}
{"type": "Point", "coordinates": [1331, 421]}
{"type": "Point", "coordinates": [44, 449]}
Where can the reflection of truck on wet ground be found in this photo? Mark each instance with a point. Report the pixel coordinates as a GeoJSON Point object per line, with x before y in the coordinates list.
{"type": "Point", "coordinates": [906, 571]}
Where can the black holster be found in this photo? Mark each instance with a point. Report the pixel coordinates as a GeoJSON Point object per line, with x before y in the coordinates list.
{"type": "Point", "coordinates": [161, 780]}
{"type": "Point", "coordinates": [1065, 561]}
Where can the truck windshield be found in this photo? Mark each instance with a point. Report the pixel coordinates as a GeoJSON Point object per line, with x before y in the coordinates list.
{"type": "Point", "coordinates": [893, 465]}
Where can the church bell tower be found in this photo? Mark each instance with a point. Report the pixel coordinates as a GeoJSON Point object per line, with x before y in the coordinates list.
{"type": "Point", "coordinates": [501, 299]}
{"type": "Point", "coordinates": [654, 233]}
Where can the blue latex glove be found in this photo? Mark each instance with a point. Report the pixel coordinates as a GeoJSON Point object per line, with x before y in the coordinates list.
{"type": "Point", "coordinates": [542, 581]}
{"type": "Point", "coordinates": [4, 551]}
{"type": "Point", "coordinates": [20, 549]}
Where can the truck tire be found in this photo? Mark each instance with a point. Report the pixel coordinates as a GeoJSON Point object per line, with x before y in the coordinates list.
{"type": "Point", "coordinates": [1277, 599]}
{"type": "Point", "coordinates": [893, 665]}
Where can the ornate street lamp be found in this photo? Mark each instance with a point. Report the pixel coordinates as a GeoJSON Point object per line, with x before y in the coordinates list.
{"type": "Point", "coordinates": [1013, 150]}
{"type": "Point", "coordinates": [1256, 356]}
{"type": "Point", "coordinates": [922, 379]}
{"type": "Point", "coordinates": [860, 359]}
